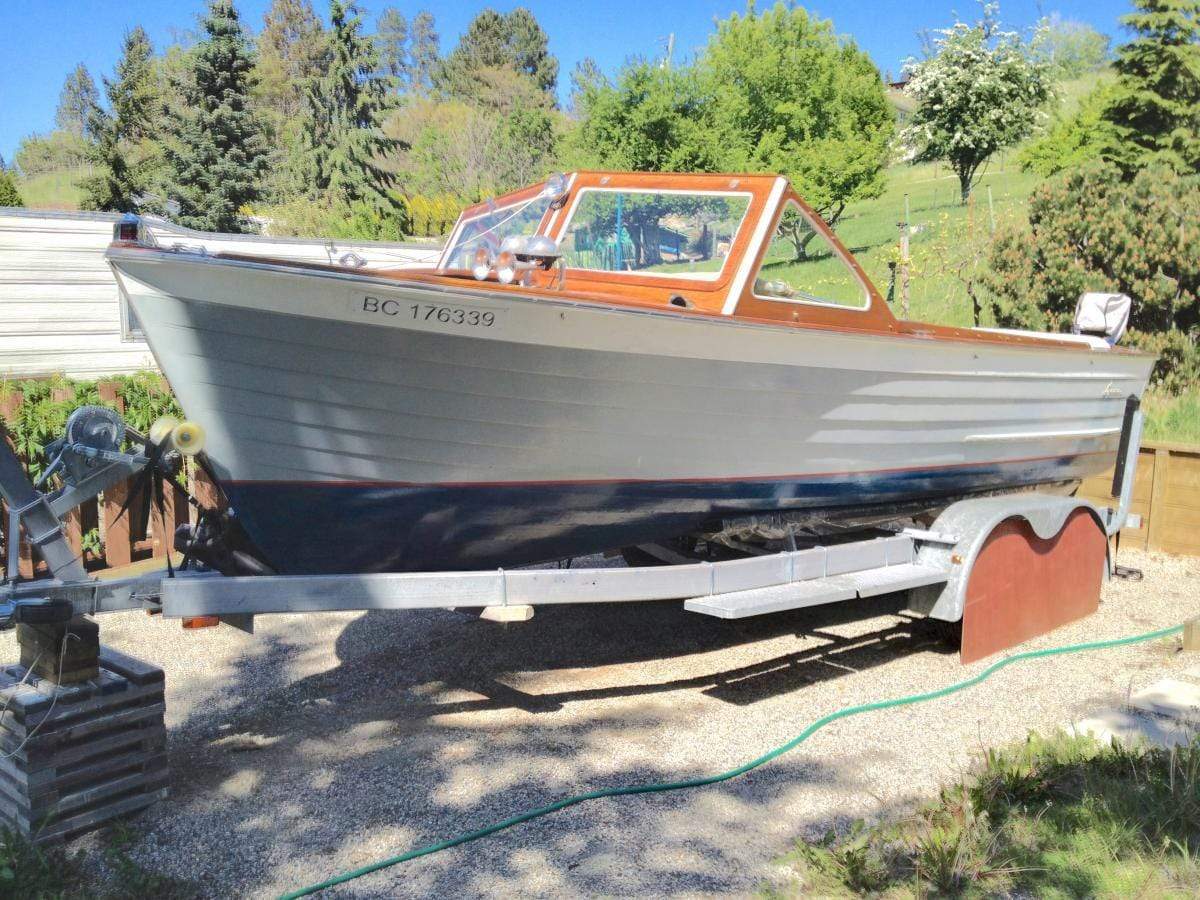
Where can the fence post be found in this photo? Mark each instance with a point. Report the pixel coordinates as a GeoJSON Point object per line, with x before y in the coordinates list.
{"type": "Point", "coordinates": [117, 545]}
{"type": "Point", "coordinates": [1158, 492]}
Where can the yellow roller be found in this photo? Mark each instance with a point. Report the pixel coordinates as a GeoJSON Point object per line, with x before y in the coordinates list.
{"type": "Point", "coordinates": [162, 429]}
{"type": "Point", "coordinates": [188, 438]}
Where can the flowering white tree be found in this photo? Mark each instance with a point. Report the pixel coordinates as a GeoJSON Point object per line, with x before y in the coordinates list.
{"type": "Point", "coordinates": [979, 92]}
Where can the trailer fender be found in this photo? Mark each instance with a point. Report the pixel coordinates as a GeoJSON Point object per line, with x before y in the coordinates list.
{"type": "Point", "coordinates": [1020, 566]}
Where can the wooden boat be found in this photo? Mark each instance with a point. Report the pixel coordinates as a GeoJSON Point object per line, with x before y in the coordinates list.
{"type": "Point", "coordinates": [601, 361]}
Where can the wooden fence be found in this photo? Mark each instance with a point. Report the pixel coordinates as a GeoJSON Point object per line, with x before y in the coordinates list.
{"type": "Point", "coordinates": [1166, 494]}
{"type": "Point", "coordinates": [129, 529]}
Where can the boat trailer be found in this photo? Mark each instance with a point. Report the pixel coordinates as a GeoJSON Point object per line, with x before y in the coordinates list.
{"type": "Point", "coordinates": [83, 729]}
{"type": "Point", "coordinates": [1007, 567]}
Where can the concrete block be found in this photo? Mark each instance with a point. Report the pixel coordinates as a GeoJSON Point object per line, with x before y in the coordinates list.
{"type": "Point", "coordinates": [1175, 699]}
{"type": "Point", "coordinates": [1131, 727]}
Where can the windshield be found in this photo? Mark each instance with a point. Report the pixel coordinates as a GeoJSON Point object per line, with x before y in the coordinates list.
{"type": "Point", "coordinates": [676, 233]}
{"type": "Point", "coordinates": [489, 229]}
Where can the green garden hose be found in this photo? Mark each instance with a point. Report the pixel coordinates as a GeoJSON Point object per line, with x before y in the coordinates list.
{"type": "Point", "coordinates": [799, 739]}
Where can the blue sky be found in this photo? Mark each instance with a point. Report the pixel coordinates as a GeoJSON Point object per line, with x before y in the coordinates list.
{"type": "Point", "coordinates": [40, 42]}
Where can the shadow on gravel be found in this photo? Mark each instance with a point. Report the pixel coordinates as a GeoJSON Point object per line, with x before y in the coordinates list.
{"type": "Point", "coordinates": [418, 735]}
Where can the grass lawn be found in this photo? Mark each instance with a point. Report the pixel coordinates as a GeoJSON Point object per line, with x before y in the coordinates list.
{"type": "Point", "coordinates": [1058, 817]}
{"type": "Point", "coordinates": [1173, 418]}
{"type": "Point", "coordinates": [941, 228]}
{"type": "Point", "coordinates": [53, 190]}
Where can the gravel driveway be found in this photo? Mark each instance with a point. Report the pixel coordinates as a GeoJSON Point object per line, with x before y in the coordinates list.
{"type": "Point", "coordinates": [325, 742]}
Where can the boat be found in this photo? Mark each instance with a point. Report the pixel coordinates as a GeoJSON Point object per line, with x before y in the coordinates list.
{"type": "Point", "coordinates": [602, 361]}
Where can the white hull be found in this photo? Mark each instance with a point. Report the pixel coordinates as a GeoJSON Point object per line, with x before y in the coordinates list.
{"type": "Point", "coordinates": [314, 378]}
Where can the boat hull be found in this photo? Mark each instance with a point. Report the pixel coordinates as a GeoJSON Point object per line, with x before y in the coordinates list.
{"type": "Point", "coordinates": [361, 424]}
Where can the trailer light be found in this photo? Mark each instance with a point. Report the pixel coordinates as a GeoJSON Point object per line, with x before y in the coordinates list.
{"type": "Point", "coordinates": [191, 622]}
{"type": "Point", "coordinates": [128, 229]}
{"type": "Point", "coordinates": [482, 266]}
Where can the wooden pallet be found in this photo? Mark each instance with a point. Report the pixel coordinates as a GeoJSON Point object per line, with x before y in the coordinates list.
{"type": "Point", "coordinates": [75, 756]}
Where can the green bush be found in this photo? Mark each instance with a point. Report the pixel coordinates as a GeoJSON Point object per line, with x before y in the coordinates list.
{"type": "Point", "coordinates": [1090, 231]}
{"type": "Point", "coordinates": [1178, 366]}
{"type": "Point", "coordinates": [9, 195]}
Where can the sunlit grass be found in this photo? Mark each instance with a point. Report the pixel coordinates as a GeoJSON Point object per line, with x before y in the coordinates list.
{"type": "Point", "coordinates": [1173, 418]}
{"type": "Point", "coordinates": [53, 190]}
{"type": "Point", "coordinates": [1058, 817]}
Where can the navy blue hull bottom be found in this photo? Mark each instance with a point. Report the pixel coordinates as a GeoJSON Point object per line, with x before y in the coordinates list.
{"type": "Point", "coordinates": [310, 528]}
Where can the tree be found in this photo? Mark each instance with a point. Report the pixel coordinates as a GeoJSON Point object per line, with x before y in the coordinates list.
{"type": "Point", "coordinates": [1090, 231]}
{"type": "Point", "coordinates": [585, 76]}
{"type": "Point", "coordinates": [505, 139]}
{"type": "Point", "coordinates": [1071, 141]}
{"type": "Point", "coordinates": [391, 38]}
{"type": "Point", "coordinates": [651, 120]}
{"type": "Point", "coordinates": [514, 40]}
{"type": "Point", "coordinates": [291, 49]}
{"type": "Point", "coordinates": [1071, 49]}
{"type": "Point", "coordinates": [789, 96]}
{"type": "Point", "coordinates": [76, 100]}
{"type": "Point", "coordinates": [217, 153]}
{"type": "Point", "coordinates": [41, 154]}
{"type": "Point", "coordinates": [341, 143]}
{"type": "Point", "coordinates": [424, 55]}
{"type": "Point", "coordinates": [9, 195]}
{"type": "Point", "coordinates": [1155, 107]}
{"type": "Point", "coordinates": [124, 148]}
{"type": "Point", "coordinates": [980, 92]}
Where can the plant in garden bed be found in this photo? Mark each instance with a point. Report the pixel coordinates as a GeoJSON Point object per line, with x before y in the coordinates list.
{"type": "Point", "coordinates": [46, 403]}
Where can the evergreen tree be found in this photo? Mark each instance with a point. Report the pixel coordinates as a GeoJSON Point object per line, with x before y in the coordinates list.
{"type": "Point", "coordinates": [1155, 107]}
{"type": "Point", "coordinates": [341, 141]}
{"type": "Point", "coordinates": [9, 196]}
{"type": "Point", "coordinates": [424, 53]}
{"type": "Point", "coordinates": [217, 154]}
{"type": "Point", "coordinates": [76, 100]}
{"type": "Point", "coordinates": [492, 41]}
{"type": "Point", "coordinates": [391, 39]}
{"type": "Point", "coordinates": [291, 49]}
{"type": "Point", "coordinates": [123, 150]}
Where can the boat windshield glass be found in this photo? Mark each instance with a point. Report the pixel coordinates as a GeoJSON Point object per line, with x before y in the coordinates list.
{"type": "Point", "coordinates": [489, 229]}
{"type": "Point", "coordinates": [801, 266]}
{"type": "Point", "coordinates": [681, 234]}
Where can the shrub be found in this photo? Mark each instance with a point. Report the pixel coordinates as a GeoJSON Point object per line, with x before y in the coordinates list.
{"type": "Point", "coordinates": [1090, 231]}
{"type": "Point", "coordinates": [1178, 366]}
{"type": "Point", "coordinates": [9, 195]}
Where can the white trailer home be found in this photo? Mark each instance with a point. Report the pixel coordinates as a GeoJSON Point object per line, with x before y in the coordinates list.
{"type": "Point", "coordinates": [61, 311]}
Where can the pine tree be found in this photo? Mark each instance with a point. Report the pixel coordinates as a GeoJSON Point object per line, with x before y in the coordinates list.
{"type": "Point", "coordinates": [217, 154]}
{"type": "Point", "coordinates": [124, 149]}
{"type": "Point", "coordinates": [391, 39]}
{"type": "Point", "coordinates": [341, 140]}
{"type": "Point", "coordinates": [514, 40]}
{"type": "Point", "coordinates": [424, 54]}
{"type": "Point", "coordinates": [76, 100]}
{"type": "Point", "coordinates": [9, 195]}
{"type": "Point", "coordinates": [1155, 108]}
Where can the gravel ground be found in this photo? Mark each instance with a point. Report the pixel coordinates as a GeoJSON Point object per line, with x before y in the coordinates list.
{"type": "Point", "coordinates": [325, 742]}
